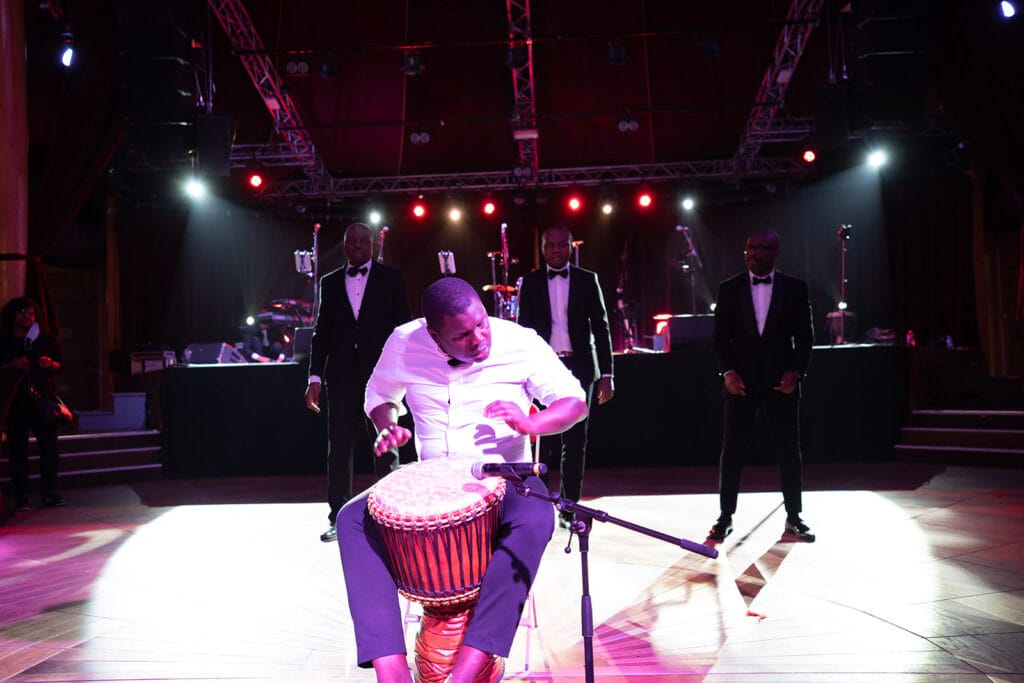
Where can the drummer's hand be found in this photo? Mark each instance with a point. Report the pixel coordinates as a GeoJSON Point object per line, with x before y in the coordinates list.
{"type": "Point", "coordinates": [390, 438]}
{"type": "Point", "coordinates": [511, 413]}
{"type": "Point", "coordinates": [313, 397]}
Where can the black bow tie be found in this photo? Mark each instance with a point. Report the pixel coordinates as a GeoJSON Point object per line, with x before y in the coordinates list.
{"type": "Point", "coordinates": [353, 270]}
{"type": "Point", "coordinates": [564, 272]}
{"type": "Point", "coordinates": [454, 362]}
{"type": "Point", "coordinates": [761, 281]}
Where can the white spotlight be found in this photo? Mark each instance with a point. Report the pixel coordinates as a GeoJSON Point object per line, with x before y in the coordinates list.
{"type": "Point", "coordinates": [195, 189]}
{"type": "Point", "coordinates": [249, 320]}
{"type": "Point", "coordinates": [606, 208]}
{"type": "Point", "coordinates": [67, 54]}
{"type": "Point", "coordinates": [841, 305]}
{"type": "Point", "coordinates": [688, 204]}
{"type": "Point", "coordinates": [1008, 9]}
{"type": "Point", "coordinates": [375, 218]}
{"type": "Point", "coordinates": [877, 158]}
{"type": "Point", "coordinates": [455, 215]}
{"type": "Point", "coordinates": [713, 306]}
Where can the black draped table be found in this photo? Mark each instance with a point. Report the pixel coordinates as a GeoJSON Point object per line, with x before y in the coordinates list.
{"type": "Point", "coordinates": [251, 419]}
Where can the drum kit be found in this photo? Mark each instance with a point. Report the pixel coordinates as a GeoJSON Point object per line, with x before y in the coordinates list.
{"type": "Point", "coordinates": [506, 296]}
{"type": "Point", "coordinates": [438, 524]}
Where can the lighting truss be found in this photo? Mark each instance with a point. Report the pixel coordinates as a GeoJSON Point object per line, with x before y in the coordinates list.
{"type": "Point", "coordinates": [524, 108]}
{"type": "Point", "coordinates": [249, 47]}
{"type": "Point", "coordinates": [331, 188]}
{"type": "Point", "coordinates": [771, 94]}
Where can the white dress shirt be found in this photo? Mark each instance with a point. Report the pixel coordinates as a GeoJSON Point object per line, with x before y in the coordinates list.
{"type": "Point", "coordinates": [447, 403]}
{"type": "Point", "coordinates": [558, 295]}
{"type": "Point", "coordinates": [762, 297]}
{"type": "Point", "coordinates": [355, 286]}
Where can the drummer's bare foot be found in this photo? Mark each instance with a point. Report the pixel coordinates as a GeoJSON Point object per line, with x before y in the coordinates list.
{"type": "Point", "coordinates": [392, 669]}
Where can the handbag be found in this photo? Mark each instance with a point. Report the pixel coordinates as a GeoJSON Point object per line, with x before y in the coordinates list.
{"type": "Point", "coordinates": [52, 412]}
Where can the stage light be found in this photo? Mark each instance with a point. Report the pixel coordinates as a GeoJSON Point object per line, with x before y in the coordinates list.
{"type": "Point", "coordinates": [420, 136]}
{"type": "Point", "coordinates": [712, 306]}
{"type": "Point", "coordinates": [374, 217]}
{"type": "Point", "coordinates": [419, 210]}
{"type": "Point", "coordinates": [412, 63]}
{"type": "Point", "coordinates": [688, 204]}
{"type": "Point", "coordinates": [644, 200]}
{"type": "Point", "coordinates": [67, 48]}
{"type": "Point", "coordinates": [1008, 9]}
{"type": "Point", "coordinates": [809, 156]}
{"type": "Point", "coordinates": [877, 158]}
{"type": "Point", "coordinates": [841, 305]}
{"type": "Point", "coordinates": [607, 208]}
{"type": "Point", "coordinates": [255, 180]}
{"type": "Point", "coordinates": [489, 207]}
{"type": "Point", "coordinates": [250, 321]}
{"type": "Point", "coordinates": [574, 203]}
{"type": "Point", "coordinates": [455, 214]}
{"type": "Point", "coordinates": [195, 189]}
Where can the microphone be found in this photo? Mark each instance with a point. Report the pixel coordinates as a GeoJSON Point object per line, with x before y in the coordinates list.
{"type": "Point", "coordinates": [693, 249]}
{"type": "Point", "coordinates": [508, 470]}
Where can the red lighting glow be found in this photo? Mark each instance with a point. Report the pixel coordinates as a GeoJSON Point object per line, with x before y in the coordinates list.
{"type": "Point", "coordinates": [574, 203]}
{"type": "Point", "coordinates": [809, 156]}
{"type": "Point", "coordinates": [419, 210]}
{"type": "Point", "coordinates": [489, 208]}
{"type": "Point", "coordinates": [644, 199]}
{"type": "Point", "coordinates": [255, 180]}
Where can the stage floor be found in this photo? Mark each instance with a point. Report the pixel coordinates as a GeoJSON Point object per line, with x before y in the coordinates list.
{"type": "Point", "coordinates": [916, 576]}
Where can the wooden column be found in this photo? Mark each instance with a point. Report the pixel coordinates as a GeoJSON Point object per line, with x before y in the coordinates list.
{"type": "Point", "coordinates": [13, 148]}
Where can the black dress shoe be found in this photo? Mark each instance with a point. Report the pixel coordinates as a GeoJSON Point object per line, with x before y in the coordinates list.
{"type": "Point", "coordinates": [53, 500]}
{"type": "Point", "coordinates": [721, 529]}
{"type": "Point", "coordinates": [331, 535]}
{"type": "Point", "coordinates": [565, 520]}
{"type": "Point", "coordinates": [796, 527]}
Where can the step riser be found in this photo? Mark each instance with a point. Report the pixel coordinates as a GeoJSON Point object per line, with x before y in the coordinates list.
{"type": "Point", "coordinates": [967, 457]}
{"type": "Point", "coordinates": [968, 438]}
{"type": "Point", "coordinates": [960, 421]}
{"type": "Point", "coordinates": [98, 459]}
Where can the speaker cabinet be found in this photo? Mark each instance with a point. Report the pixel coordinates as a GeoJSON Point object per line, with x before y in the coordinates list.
{"type": "Point", "coordinates": [215, 353]}
{"type": "Point", "coordinates": [303, 342]}
{"type": "Point", "coordinates": [690, 329]}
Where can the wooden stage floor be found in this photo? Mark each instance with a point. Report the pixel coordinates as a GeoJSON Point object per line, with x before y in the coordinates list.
{"type": "Point", "coordinates": [916, 576]}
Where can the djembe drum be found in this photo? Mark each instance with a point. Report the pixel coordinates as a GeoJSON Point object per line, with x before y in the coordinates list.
{"type": "Point", "coordinates": [438, 523]}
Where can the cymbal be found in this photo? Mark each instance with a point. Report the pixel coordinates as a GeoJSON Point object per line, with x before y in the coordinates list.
{"type": "Point", "coordinates": [504, 289]}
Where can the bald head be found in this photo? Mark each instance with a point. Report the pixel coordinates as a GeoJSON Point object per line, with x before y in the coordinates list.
{"type": "Point", "coordinates": [358, 242]}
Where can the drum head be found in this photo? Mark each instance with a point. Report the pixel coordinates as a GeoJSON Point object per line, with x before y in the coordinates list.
{"type": "Point", "coordinates": [441, 490]}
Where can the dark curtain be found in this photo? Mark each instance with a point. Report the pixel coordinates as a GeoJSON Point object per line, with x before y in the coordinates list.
{"type": "Point", "coordinates": [88, 130]}
{"type": "Point", "coordinates": [979, 60]}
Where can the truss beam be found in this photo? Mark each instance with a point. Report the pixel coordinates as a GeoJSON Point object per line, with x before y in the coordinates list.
{"type": "Point", "coordinates": [771, 94]}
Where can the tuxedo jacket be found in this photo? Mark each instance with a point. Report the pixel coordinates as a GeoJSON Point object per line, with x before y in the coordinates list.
{"type": "Point", "coordinates": [760, 359]}
{"type": "Point", "coordinates": [343, 349]}
{"type": "Point", "coordinates": [587, 319]}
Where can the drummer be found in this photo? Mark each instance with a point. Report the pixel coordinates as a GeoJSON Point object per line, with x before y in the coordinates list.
{"type": "Point", "coordinates": [469, 380]}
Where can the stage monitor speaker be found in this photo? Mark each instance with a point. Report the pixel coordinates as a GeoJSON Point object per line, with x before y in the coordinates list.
{"type": "Point", "coordinates": [303, 341]}
{"type": "Point", "coordinates": [690, 329]}
{"type": "Point", "coordinates": [214, 353]}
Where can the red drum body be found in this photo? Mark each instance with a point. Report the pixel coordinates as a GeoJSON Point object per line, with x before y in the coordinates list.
{"type": "Point", "coordinates": [438, 524]}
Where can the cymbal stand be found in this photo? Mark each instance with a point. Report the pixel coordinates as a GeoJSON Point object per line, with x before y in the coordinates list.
{"type": "Point", "coordinates": [583, 518]}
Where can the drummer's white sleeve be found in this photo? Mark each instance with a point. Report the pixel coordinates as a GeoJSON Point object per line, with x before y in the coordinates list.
{"type": "Point", "coordinates": [385, 385]}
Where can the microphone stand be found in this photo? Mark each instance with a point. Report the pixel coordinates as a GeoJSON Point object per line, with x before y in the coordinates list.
{"type": "Point", "coordinates": [583, 518]}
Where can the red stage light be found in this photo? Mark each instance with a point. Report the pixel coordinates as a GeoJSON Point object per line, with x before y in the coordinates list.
{"type": "Point", "coordinates": [255, 180]}
{"type": "Point", "coordinates": [574, 203]}
{"type": "Point", "coordinates": [809, 156]}
{"type": "Point", "coordinates": [419, 209]}
{"type": "Point", "coordinates": [644, 199]}
{"type": "Point", "coordinates": [489, 208]}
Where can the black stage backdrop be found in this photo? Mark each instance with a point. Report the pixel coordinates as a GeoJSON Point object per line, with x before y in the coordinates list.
{"type": "Point", "coordinates": [193, 274]}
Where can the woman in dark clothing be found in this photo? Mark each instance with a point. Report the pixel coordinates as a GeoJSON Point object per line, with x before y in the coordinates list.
{"type": "Point", "coordinates": [24, 347]}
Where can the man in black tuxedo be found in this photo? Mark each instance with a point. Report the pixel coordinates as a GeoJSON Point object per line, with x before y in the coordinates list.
{"type": "Point", "coordinates": [565, 306]}
{"type": "Point", "coordinates": [762, 339]}
{"type": "Point", "coordinates": [360, 304]}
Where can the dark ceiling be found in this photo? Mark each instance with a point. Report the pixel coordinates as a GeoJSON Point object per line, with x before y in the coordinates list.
{"type": "Point", "coordinates": [689, 74]}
